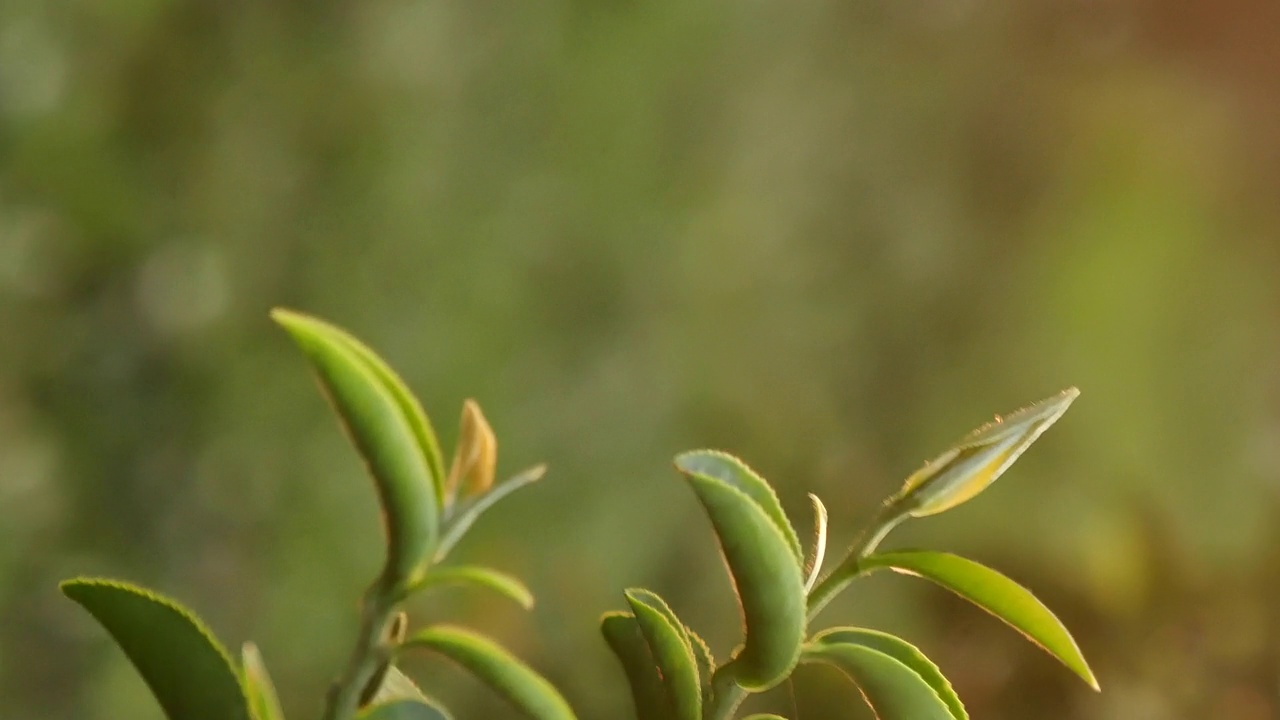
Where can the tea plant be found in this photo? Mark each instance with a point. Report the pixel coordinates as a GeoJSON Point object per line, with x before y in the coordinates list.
{"type": "Point", "coordinates": [672, 673]}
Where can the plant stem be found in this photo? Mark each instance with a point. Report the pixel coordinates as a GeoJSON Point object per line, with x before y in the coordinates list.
{"type": "Point", "coordinates": [869, 539]}
{"type": "Point", "coordinates": [376, 611]}
{"type": "Point", "coordinates": [726, 694]}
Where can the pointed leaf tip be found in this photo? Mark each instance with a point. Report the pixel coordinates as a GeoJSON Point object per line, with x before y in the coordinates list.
{"type": "Point", "coordinates": [671, 651]}
{"type": "Point", "coordinates": [970, 466]}
{"type": "Point", "coordinates": [737, 474]}
{"type": "Point", "coordinates": [391, 432]}
{"type": "Point", "coordinates": [187, 669]}
{"type": "Point", "coordinates": [995, 593]}
{"type": "Point", "coordinates": [496, 667]}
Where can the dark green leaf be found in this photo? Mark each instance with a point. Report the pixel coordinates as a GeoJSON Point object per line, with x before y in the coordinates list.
{"type": "Point", "coordinates": [905, 653]}
{"type": "Point", "coordinates": [525, 689]}
{"type": "Point", "coordinates": [186, 668]}
{"type": "Point", "coordinates": [893, 690]}
{"type": "Point", "coordinates": [994, 593]}
{"type": "Point", "coordinates": [766, 575]}
{"type": "Point", "coordinates": [622, 633]}
{"type": "Point", "coordinates": [669, 645]}
{"type": "Point", "coordinates": [733, 472]}
{"type": "Point", "coordinates": [387, 436]}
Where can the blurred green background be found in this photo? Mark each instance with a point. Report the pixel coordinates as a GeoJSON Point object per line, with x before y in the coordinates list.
{"type": "Point", "coordinates": [828, 236]}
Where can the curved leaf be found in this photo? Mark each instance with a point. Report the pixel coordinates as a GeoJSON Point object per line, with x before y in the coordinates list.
{"type": "Point", "coordinates": [669, 645]}
{"type": "Point", "coordinates": [258, 686]}
{"type": "Point", "coordinates": [622, 633]}
{"type": "Point", "coordinates": [421, 709]}
{"type": "Point", "coordinates": [813, 562]}
{"type": "Point", "coordinates": [893, 690]}
{"type": "Point", "coordinates": [394, 384]}
{"type": "Point", "coordinates": [478, 576]}
{"type": "Point", "coordinates": [459, 523]}
{"type": "Point", "coordinates": [766, 576]}
{"type": "Point", "coordinates": [764, 716]}
{"type": "Point", "coordinates": [704, 660]}
{"type": "Point", "coordinates": [905, 653]}
{"type": "Point", "coordinates": [524, 688]}
{"type": "Point", "coordinates": [387, 437]}
{"type": "Point", "coordinates": [994, 593]}
{"type": "Point", "coordinates": [733, 472]}
{"type": "Point", "coordinates": [186, 668]}
{"type": "Point", "coordinates": [971, 465]}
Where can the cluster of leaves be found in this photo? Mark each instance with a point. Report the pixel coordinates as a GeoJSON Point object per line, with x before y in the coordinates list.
{"type": "Point", "coordinates": [671, 671]}
{"type": "Point", "coordinates": [426, 511]}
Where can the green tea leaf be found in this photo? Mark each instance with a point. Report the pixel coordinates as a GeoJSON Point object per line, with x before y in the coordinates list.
{"type": "Point", "coordinates": [994, 593]}
{"type": "Point", "coordinates": [905, 653]}
{"type": "Point", "coordinates": [458, 524]}
{"type": "Point", "coordinates": [258, 686]}
{"type": "Point", "coordinates": [893, 690]}
{"type": "Point", "coordinates": [421, 709]}
{"type": "Point", "coordinates": [477, 576]}
{"type": "Point", "coordinates": [972, 464]}
{"type": "Point", "coordinates": [669, 645]}
{"type": "Point", "coordinates": [395, 685]}
{"type": "Point", "coordinates": [387, 436]}
{"type": "Point", "coordinates": [186, 668]}
{"type": "Point", "coordinates": [766, 575]}
{"type": "Point", "coordinates": [704, 660]}
{"type": "Point", "coordinates": [521, 686]}
{"type": "Point", "coordinates": [622, 633]}
{"type": "Point", "coordinates": [813, 562]}
{"type": "Point", "coordinates": [393, 383]}
{"type": "Point", "coordinates": [735, 473]}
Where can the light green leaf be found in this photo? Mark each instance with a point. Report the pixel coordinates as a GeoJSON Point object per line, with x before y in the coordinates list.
{"type": "Point", "coordinates": [405, 710]}
{"type": "Point", "coordinates": [188, 671]}
{"type": "Point", "coordinates": [893, 690]}
{"type": "Point", "coordinates": [766, 575]}
{"type": "Point", "coordinates": [388, 437]}
{"type": "Point", "coordinates": [905, 653]}
{"type": "Point", "coordinates": [972, 464]}
{"type": "Point", "coordinates": [395, 685]}
{"type": "Point", "coordinates": [408, 402]}
{"type": "Point", "coordinates": [813, 562]}
{"type": "Point", "coordinates": [764, 716]}
{"type": "Point", "coordinates": [623, 635]}
{"type": "Point", "coordinates": [733, 472]}
{"type": "Point", "coordinates": [466, 514]}
{"type": "Point", "coordinates": [994, 593]}
{"type": "Point", "coordinates": [477, 576]}
{"type": "Point", "coordinates": [258, 686]}
{"type": "Point", "coordinates": [669, 645]}
{"type": "Point", "coordinates": [705, 661]}
{"type": "Point", "coordinates": [491, 663]}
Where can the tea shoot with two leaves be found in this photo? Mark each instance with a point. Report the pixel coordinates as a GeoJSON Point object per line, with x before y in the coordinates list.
{"type": "Point", "coordinates": [671, 671]}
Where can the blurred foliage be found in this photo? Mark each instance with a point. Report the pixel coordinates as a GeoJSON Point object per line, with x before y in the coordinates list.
{"type": "Point", "coordinates": [827, 236]}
